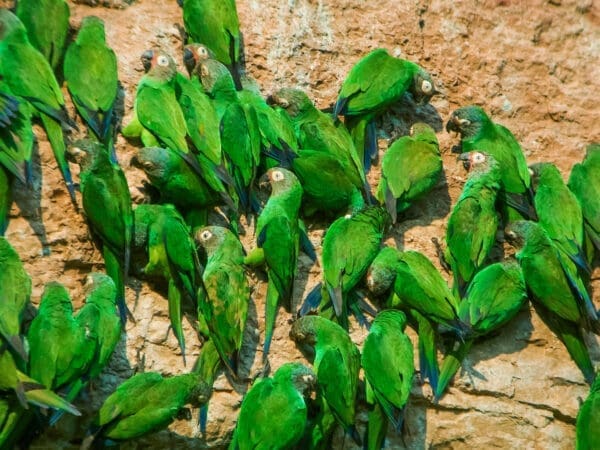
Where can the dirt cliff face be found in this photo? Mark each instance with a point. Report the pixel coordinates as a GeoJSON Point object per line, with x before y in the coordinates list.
{"type": "Point", "coordinates": [532, 65]}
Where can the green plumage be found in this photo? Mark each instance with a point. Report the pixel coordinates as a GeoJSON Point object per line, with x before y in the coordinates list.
{"type": "Point", "coordinates": [225, 307]}
{"type": "Point", "coordinates": [5, 198]}
{"type": "Point", "coordinates": [588, 420]}
{"type": "Point", "coordinates": [59, 351]}
{"type": "Point", "coordinates": [28, 75]}
{"type": "Point", "coordinates": [172, 256]}
{"type": "Point", "coordinates": [387, 359]}
{"type": "Point", "coordinates": [15, 290]}
{"type": "Point", "coordinates": [349, 246]}
{"type": "Point", "coordinates": [479, 133]}
{"type": "Point", "coordinates": [47, 23]}
{"type": "Point", "coordinates": [473, 222]}
{"type": "Point", "coordinates": [584, 182]}
{"type": "Point", "coordinates": [410, 168]}
{"type": "Point", "coordinates": [274, 413]}
{"type": "Point", "coordinates": [147, 402]}
{"type": "Point", "coordinates": [91, 74]}
{"type": "Point", "coordinates": [336, 363]}
{"type": "Point", "coordinates": [494, 297]}
{"type": "Point", "coordinates": [107, 206]}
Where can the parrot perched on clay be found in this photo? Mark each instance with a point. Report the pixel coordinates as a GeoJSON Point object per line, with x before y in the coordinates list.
{"type": "Point", "coordinates": [588, 420]}
{"type": "Point", "coordinates": [584, 182]}
{"type": "Point", "coordinates": [473, 222]}
{"type": "Point", "coordinates": [350, 244]}
{"type": "Point", "coordinates": [172, 256]}
{"type": "Point", "coordinates": [336, 364]}
{"type": "Point", "coordinates": [47, 23]}
{"type": "Point", "coordinates": [102, 326]}
{"type": "Point", "coordinates": [240, 134]}
{"type": "Point", "coordinates": [479, 133]}
{"type": "Point", "coordinates": [225, 304]}
{"type": "Point", "coordinates": [107, 206]}
{"type": "Point", "coordinates": [215, 24]}
{"type": "Point", "coordinates": [59, 350]}
{"type": "Point", "coordinates": [387, 360]}
{"type": "Point", "coordinates": [316, 131]}
{"type": "Point", "coordinates": [15, 290]}
{"type": "Point", "coordinates": [91, 74]}
{"type": "Point", "coordinates": [494, 296]}
{"type": "Point", "coordinates": [559, 213]}
{"type": "Point", "coordinates": [28, 75]}
{"type": "Point", "coordinates": [146, 403]}
{"type": "Point", "coordinates": [273, 414]}
{"type": "Point", "coordinates": [410, 168]}
{"type": "Point", "coordinates": [373, 84]}
{"type": "Point", "coordinates": [557, 290]}
{"type": "Point", "coordinates": [278, 241]}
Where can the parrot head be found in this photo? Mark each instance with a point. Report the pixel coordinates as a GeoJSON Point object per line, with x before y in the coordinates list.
{"type": "Point", "coordinates": [153, 161]}
{"type": "Point", "coordinates": [467, 121]}
{"type": "Point", "coordinates": [303, 331]}
{"type": "Point", "coordinates": [382, 272]}
{"type": "Point", "coordinates": [158, 64]}
{"type": "Point", "coordinates": [214, 74]}
{"type": "Point", "coordinates": [210, 237]}
{"type": "Point", "coordinates": [278, 179]}
{"type": "Point", "coordinates": [517, 232]}
{"type": "Point", "coordinates": [294, 101]}
{"type": "Point", "coordinates": [84, 151]}
{"type": "Point", "coordinates": [303, 378]}
{"type": "Point", "coordinates": [477, 161]}
{"type": "Point", "coordinates": [101, 286]}
{"type": "Point", "coordinates": [193, 54]}
{"type": "Point", "coordinates": [200, 394]}
{"type": "Point", "coordinates": [422, 88]}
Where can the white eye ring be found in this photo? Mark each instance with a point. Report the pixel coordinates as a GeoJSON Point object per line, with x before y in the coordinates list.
{"type": "Point", "coordinates": [284, 103]}
{"type": "Point", "coordinates": [478, 157]}
{"type": "Point", "coordinates": [205, 235]}
{"type": "Point", "coordinates": [163, 61]}
{"type": "Point", "coordinates": [426, 86]}
{"type": "Point", "coordinates": [348, 216]}
{"type": "Point", "coordinates": [202, 51]}
{"type": "Point", "coordinates": [464, 122]}
{"type": "Point", "coordinates": [148, 165]}
{"type": "Point", "coordinates": [277, 175]}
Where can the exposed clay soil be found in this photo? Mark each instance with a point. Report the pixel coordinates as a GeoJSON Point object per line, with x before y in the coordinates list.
{"type": "Point", "coordinates": [534, 66]}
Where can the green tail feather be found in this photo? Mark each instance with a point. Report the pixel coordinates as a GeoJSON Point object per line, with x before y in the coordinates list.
{"type": "Point", "coordinates": [74, 389]}
{"type": "Point", "coordinates": [271, 307]}
{"type": "Point", "coordinates": [114, 270]}
{"type": "Point", "coordinates": [376, 428]}
{"type": "Point", "coordinates": [57, 141]}
{"type": "Point", "coordinates": [450, 366]}
{"type": "Point", "coordinates": [175, 316]}
{"type": "Point", "coordinates": [428, 364]}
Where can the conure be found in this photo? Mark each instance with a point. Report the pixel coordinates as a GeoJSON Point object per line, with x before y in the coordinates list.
{"type": "Point", "coordinates": [273, 414]}
{"type": "Point", "coordinates": [588, 420]}
{"type": "Point", "coordinates": [373, 84]}
{"type": "Point", "coordinates": [107, 206]}
{"type": "Point", "coordinates": [410, 168]}
{"type": "Point", "coordinates": [336, 363]}
{"type": "Point", "coordinates": [479, 133]}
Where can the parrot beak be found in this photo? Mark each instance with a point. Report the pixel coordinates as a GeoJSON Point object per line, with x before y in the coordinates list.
{"type": "Point", "coordinates": [189, 60]}
{"type": "Point", "coordinates": [264, 182]}
{"type": "Point", "coordinates": [272, 100]}
{"type": "Point", "coordinates": [453, 124]}
{"type": "Point", "coordinates": [146, 58]}
{"type": "Point", "coordinates": [466, 160]}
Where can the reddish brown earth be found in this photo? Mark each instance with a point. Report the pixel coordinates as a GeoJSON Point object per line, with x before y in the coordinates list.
{"type": "Point", "coordinates": [534, 66]}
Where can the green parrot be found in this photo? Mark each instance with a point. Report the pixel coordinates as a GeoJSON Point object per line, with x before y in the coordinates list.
{"type": "Point", "coordinates": [47, 23]}
{"type": "Point", "coordinates": [177, 183]}
{"type": "Point", "coordinates": [207, 366]}
{"type": "Point", "coordinates": [91, 74]}
{"type": "Point", "coordinates": [588, 420]}
{"type": "Point", "coordinates": [336, 363]}
{"type": "Point", "coordinates": [5, 198]}
{"type": "Point", "coordinates": [225, 306]}
{"type": "Point", "coordinates": [479, 133]}
{"type": "Point", "coordinates": [240, 134]}
{"type": "Point", "coordinates": [146, 403]}
{"type": "Point", "coordinates": [277, 241]}
{"type": "Point", "coordinates": [273, 414]}
{"type": "Point", "coordinates": [559, 294]}
{"type": "Point", "coordinates": [350, 244]}
{"type": "Point", "coordinates": [15, 290]}
{"type": "Point", "coordinates": [316, 130]}
{"type": "Point", "coordinates": [473, 222]}
{"type": "Point", "coordinates": [59, 350]}
{"type": "Point", "coordinates": [494, 297]}
{"type": "Point", "coordinates": [172, 256]}
{"type": "Point", "coordinates": [583, 182]}
{"type": "Point", "coordinates": [215, 24]}
{"type": "Point", "coordinates": [107, 206]}
{"type": "Point", "coordinates": [102, 326]}
{"type": "Point", "coordinates": [559, 213]}
{"type": "Point", "coordinates": [9, 105]}
{"type": "Point", "coordinates": [373, 84]}
{"type": "Point", "coordinates": [28, 75]}
{"type": "Point", "coordinates": [411, 167]}
{"type": "Point", "coordinates": [387, 359]}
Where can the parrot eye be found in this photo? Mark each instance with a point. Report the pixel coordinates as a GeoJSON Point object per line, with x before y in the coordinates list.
{"type": "Point", "coordinates": [148, 165]}
{"type": "Point", "coordinates": [283, 103]}
{"type": "Point", "coordinates": [205, 235]}
{"type": "Point", "coordinates": [163, 61]}
{"type": "Point", "coordinates": [202, 51]}
{"type": "Point", "coordinates": [464, 122]}
{"type": "Point", "coordinates": [277, 175]}
{"type": "Point", "coordinates": [426, 86]}
{"type": "Point", "coordinates": [478, 157]}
